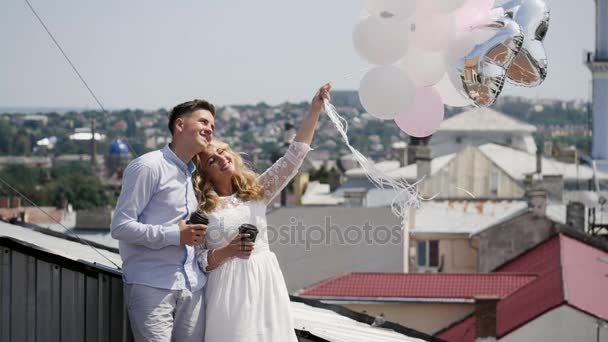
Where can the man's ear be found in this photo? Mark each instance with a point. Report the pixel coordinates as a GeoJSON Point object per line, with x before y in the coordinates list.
{"type": "Point", "coordinates": [179, 124]}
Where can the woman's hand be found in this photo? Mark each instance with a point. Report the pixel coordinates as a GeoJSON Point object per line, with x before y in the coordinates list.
{"type": "Point", "coordinates": [239, 246]}
{"type": "Point", "coordinates": [316, 104]}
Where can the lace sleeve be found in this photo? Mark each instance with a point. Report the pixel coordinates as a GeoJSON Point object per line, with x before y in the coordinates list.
{"type": "Point", "coordinates": [281, 172]}
{"type": "Point", "coordinates": [201, 253]}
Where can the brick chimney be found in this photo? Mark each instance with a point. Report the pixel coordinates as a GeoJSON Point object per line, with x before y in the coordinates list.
{"type": "Point", "coordinates": [485, 316]}
{"type": "Point", "coordinates": [16, 202]}
{"type": "Point", "coordinates": [537, 202]}
{"type": "Point", "coordinates": [575, 215]}
{"type": "Point", "coordinates": [5, 202]}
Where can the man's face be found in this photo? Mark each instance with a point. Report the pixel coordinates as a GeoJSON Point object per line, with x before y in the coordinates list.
{"type": "Point", "coordinates": [197, 127]}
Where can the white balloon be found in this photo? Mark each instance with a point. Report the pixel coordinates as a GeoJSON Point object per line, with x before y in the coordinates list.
{"type": "Point", "coordinates": [380, 41]}
{"type": "Point", "coordinates": [399, 9]}
{"type": "Point", "coordinates": [439, 5]}
{"type": "Point", "coordinates": [431, 31]}
{"type": "Point", "coordinates": [426, 68]}
{"type": "Point", "coordinates": [386, 91]}
{"type": "Point", "coordinates": [474, 13]}
{"type": "Point", "coordinates": [450, 94]}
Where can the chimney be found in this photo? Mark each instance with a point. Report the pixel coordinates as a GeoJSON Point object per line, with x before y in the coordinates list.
{"type": "Point", "coordinates": [410, 154]}
{"type": "Point", "coordinates": [548, 149]}
{"type": "Point", "coordinates": [423, 161]}
{"type": "Point", "coordinates": [554, 185]}
{"type": "Point", "coordinates": [400, 150]}
{"type": "Point", "coordinates": [575, 215]}
{"type": "Point", "coordinates": [5, 202]}
{"type": "Point", "coordinates": [333, 179]}
{"type": "Point", "coordinates": [485, 315]}
{"type": "Point", "coordinates": [537, 202]}
{"type": "Point", "coordinates": [539, 162]}
{"type": "Point", "coordinates": [355, 198]}
{"type": "Point", "coordinates": [15, 202]}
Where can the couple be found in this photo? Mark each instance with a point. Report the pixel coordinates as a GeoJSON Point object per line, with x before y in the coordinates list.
{"type": "Point", "coordinates": [193, 282]}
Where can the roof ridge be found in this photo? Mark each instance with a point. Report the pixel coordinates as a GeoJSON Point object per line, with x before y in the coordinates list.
{"type": "Point", "coordinates": [471, 274]}
{"type": "Point", "coordinates": [321, 283]}
{"type": "Point", "coordinates": [504, 116]}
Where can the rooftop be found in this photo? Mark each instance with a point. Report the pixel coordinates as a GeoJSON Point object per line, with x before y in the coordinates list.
{"type": "Point", "coordinates": [418, 286]}
{"type": "Point", "coordinates": [484, 120]}
{"type": "Point", "coordinates": [571, 270]}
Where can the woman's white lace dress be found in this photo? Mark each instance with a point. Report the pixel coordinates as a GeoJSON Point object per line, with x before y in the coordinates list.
{"type": "Point", "coordinates": [246, 299]}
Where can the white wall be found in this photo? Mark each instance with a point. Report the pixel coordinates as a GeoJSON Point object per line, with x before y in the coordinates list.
{"type": "Point", "coordinates": [562, 324]}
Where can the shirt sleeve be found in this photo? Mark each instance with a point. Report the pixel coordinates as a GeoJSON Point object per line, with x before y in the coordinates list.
{"type": "Point", "coordinates": [138, 187]}
{"type": "Point", "coordinates": [283, 170]}
{"type": "Point", "coordinates": [201, 257]}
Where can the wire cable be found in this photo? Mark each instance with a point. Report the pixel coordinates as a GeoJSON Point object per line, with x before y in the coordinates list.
{"type": "Point", "coordinates": [55, 220]}
{"type": "Point", "coordinates": [65, 55]}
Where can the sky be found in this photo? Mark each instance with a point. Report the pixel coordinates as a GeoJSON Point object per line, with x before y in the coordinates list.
{"type": "Point", "coordinates": [156, 53]}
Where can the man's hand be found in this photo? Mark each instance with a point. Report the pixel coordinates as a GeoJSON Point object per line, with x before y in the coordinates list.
{"type": "Point", "coordinates": [191, 234]}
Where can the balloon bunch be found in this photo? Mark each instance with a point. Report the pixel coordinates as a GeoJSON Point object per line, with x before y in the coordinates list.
{"type": "Point", "coordinates": [427, 53]}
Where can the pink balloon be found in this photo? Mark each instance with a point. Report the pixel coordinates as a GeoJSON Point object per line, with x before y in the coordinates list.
{"type": "Point", "coordinates": [424, 116]}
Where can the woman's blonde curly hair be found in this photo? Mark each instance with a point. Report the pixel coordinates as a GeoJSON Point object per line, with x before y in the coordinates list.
{"type": "Point", "coordinates": [244, 180]}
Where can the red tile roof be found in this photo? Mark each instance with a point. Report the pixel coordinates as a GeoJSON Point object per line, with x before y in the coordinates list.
{"type": "Point", "coordinates": [569, 271]}
{"type": "Point", "coordinates": [419, 285]}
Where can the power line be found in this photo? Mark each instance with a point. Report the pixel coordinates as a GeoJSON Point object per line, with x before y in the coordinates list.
{"type": "Point", "coordinates": [104, 111]}
{"type": "Point", "coordinates": [65, 55]}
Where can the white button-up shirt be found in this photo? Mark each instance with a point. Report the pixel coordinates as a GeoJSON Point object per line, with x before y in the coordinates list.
{"type": "Point", "coordinates": [156, 194]}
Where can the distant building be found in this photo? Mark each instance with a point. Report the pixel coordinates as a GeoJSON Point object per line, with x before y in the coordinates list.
{"type": "Point", "coordinates": [39, 162]}
{"type": "Point", "coordinates": [552, 291]}
{"type": "Point", "coordinates": [488, 171]}
{"type": "Point", "coordinates": [481, 126]}
{"type": "Point", "coordinates": [565, 302]}
{"type": "Point", "coordinates": [598, 64]}
{"type": "Point", "coordinates": [84, 133]}
{"type": "Point", "coordinates": [118, 157]}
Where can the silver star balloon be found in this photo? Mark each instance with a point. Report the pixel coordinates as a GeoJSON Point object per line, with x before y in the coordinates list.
{"type": "Point", "coordinates": [482, 72]}
{"type": "Point", "coordinates": [530, 66]}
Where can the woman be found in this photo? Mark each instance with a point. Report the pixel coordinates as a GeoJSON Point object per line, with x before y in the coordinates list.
{"type": "Point", "coordinates": [246, 296]}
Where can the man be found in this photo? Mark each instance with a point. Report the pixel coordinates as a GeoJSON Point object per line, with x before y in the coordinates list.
{"type": "Point", "coordinates": [163, 283]}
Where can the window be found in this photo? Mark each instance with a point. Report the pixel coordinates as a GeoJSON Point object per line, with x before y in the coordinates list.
{"type": "Point", "coordinates": [427, 254]}
{"type": "Point", "coordinates": [494, 181]}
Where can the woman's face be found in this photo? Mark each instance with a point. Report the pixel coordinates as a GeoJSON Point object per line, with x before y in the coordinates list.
{"type": "Point", "coordinates": [217, 163]}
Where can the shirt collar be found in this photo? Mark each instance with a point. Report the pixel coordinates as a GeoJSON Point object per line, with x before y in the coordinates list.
{"type": "Point", "coordinates": [172, 157]}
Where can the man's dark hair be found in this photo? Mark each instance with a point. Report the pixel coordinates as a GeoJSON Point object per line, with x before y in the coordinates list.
{"type": "Point", "coordinates": [186, 108]}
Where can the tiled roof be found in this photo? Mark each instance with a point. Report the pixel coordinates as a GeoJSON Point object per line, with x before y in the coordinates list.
{"type": "Point", "coordinates": [570, 271]}
{"type": "Point", "coordinates": [419, 285]}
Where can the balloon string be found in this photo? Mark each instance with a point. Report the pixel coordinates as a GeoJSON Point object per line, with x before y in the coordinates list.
{"type": "Point", "coordinates": [407, 194]}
